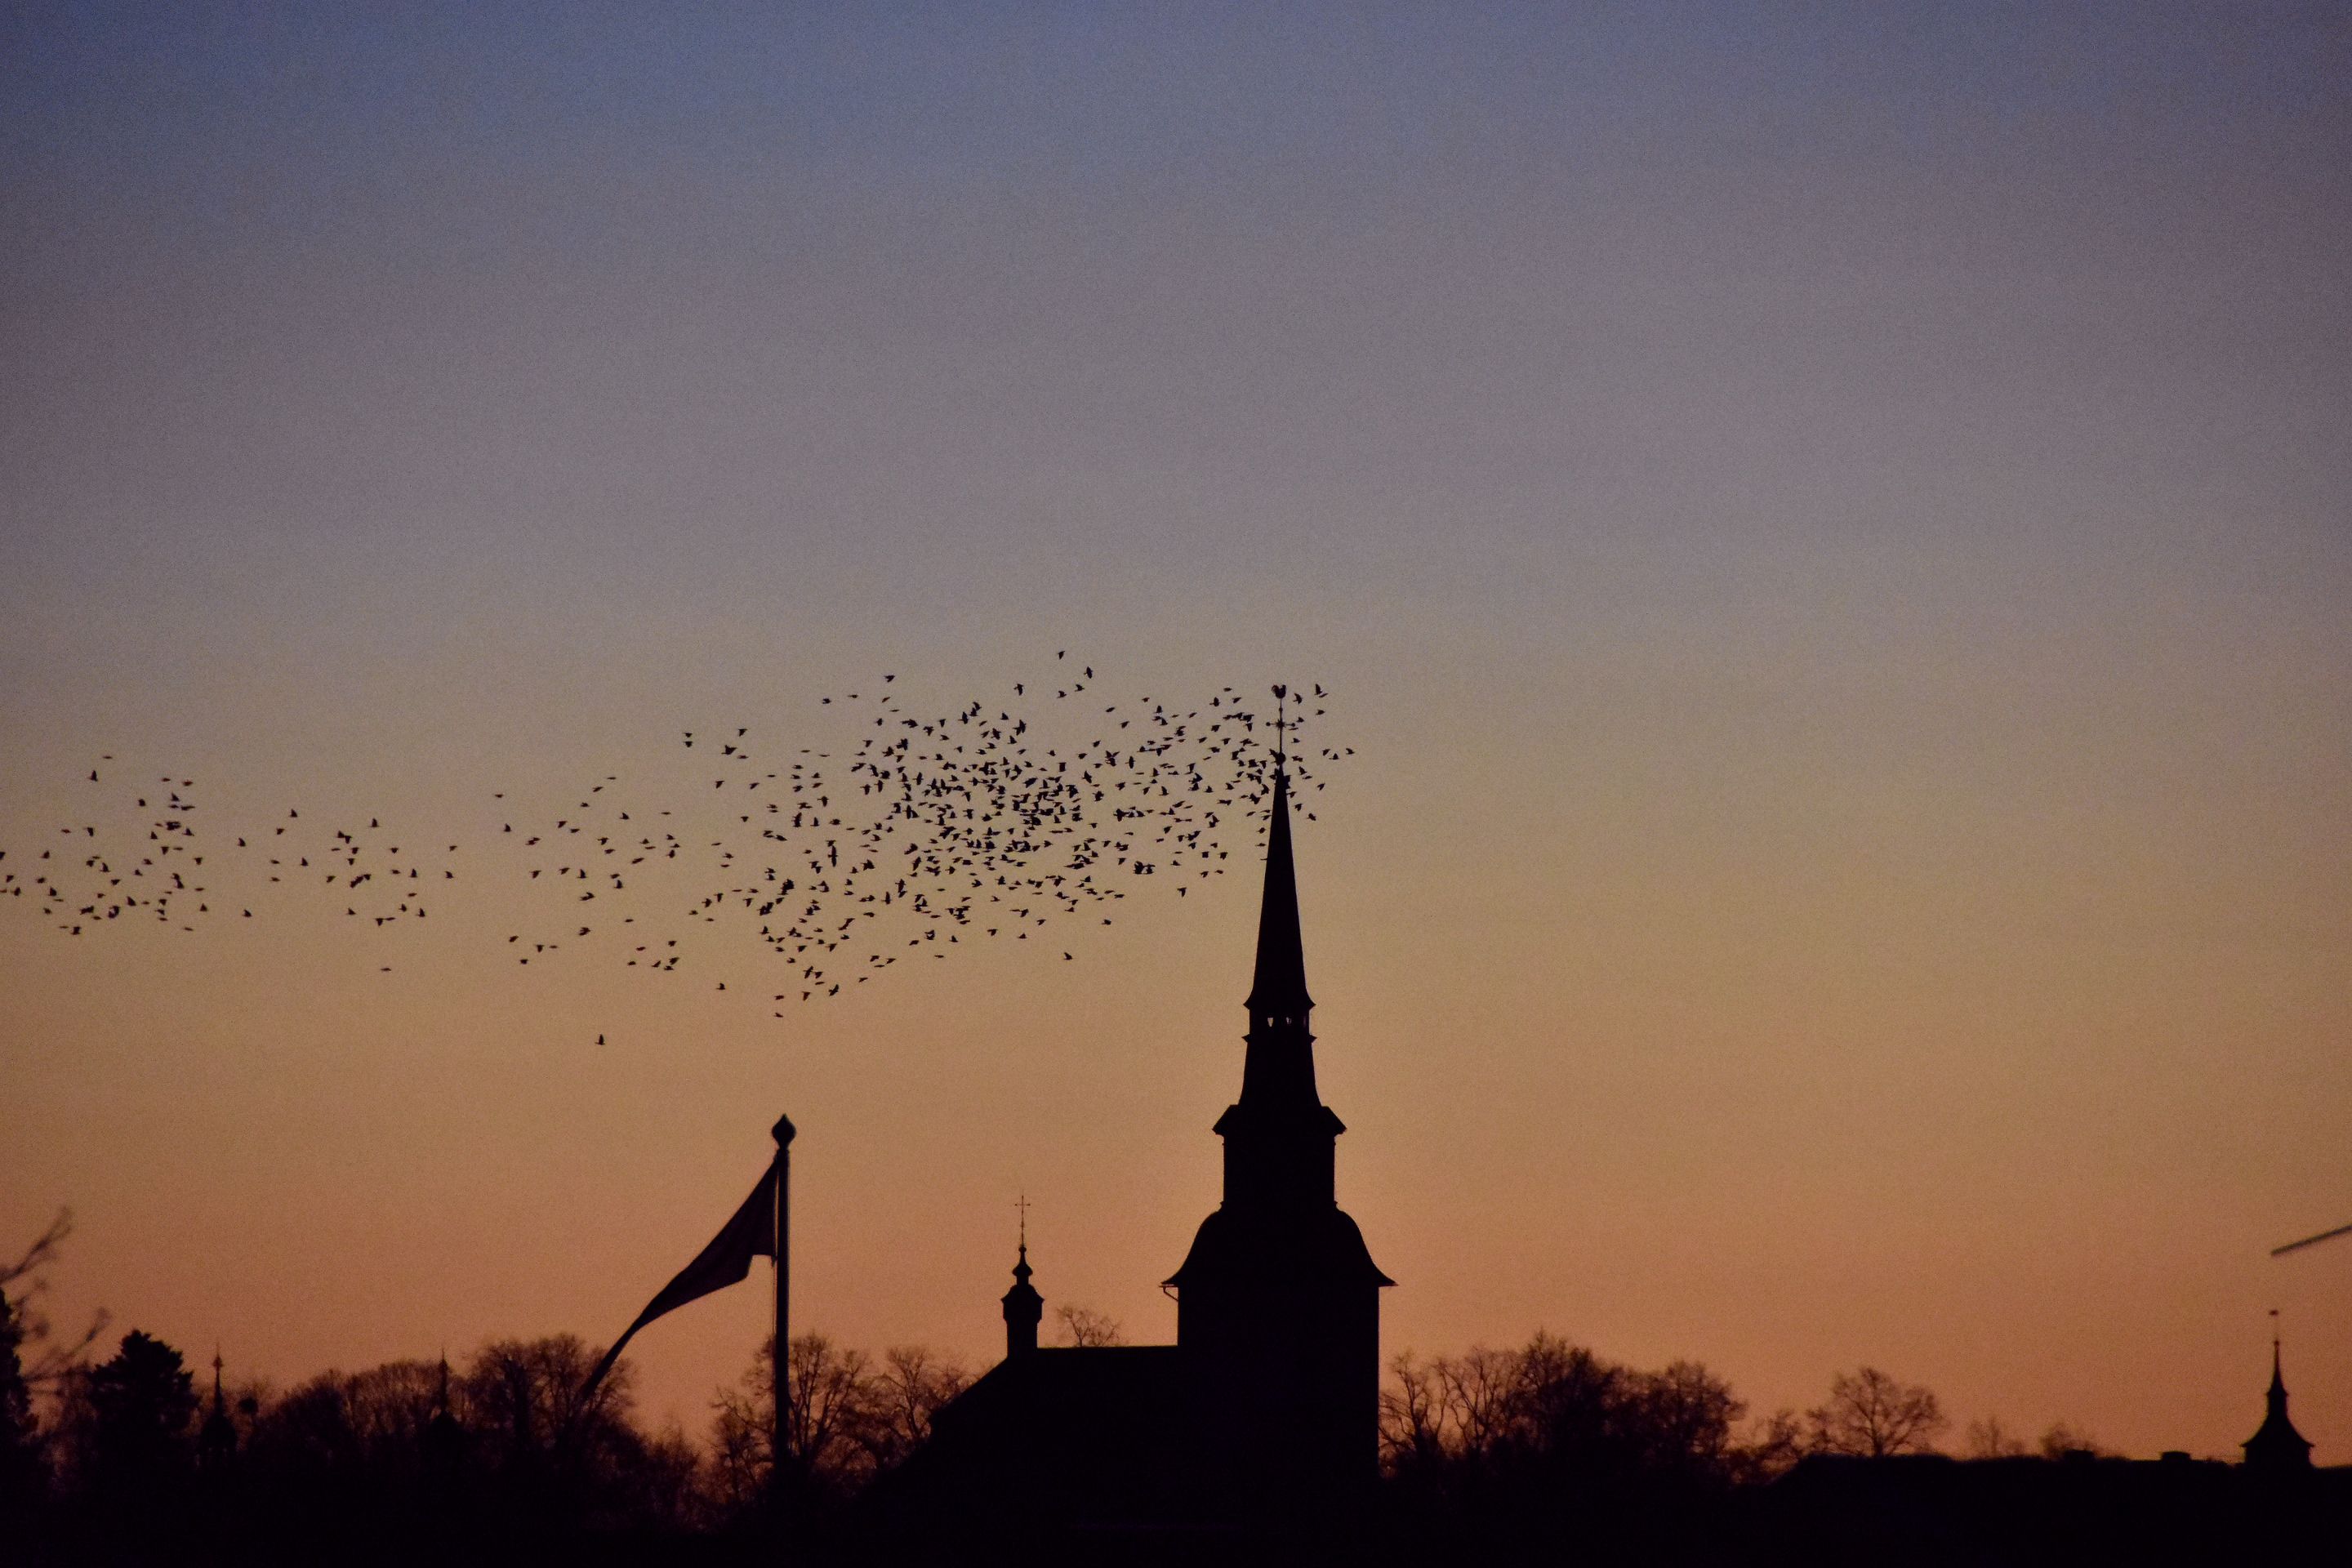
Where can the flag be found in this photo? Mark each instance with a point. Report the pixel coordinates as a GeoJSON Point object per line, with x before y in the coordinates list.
{"type": "Point", "coordinates": [751, 1233]}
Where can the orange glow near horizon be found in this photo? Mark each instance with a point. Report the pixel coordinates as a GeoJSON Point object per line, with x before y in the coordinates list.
{"type": "Point", "coordinates": [1836, 586]}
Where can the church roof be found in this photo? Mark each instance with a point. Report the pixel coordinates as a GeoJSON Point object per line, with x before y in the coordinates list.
{"type": "Point", "coordinates": [1319, 1247]}
{"type": "Point", "coordinates": [1073, 1437]}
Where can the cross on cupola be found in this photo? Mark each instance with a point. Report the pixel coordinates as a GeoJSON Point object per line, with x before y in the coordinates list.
{"type": "Point", "coordinates": [1023, 1308]}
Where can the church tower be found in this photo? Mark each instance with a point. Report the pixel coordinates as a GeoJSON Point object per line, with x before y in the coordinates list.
{"type": "Point", "coordinates": [2276, 1445]}
{"type": "Point", "coordinates": [1278, 1302]}
{"type": "Point", "coordinates": [1023, 1308]}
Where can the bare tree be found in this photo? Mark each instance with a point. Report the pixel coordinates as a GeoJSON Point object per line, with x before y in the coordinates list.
{"type": "Point", "coordinates": [1988, 1439]}
{"type": "Point", "coordinates": [1489, 1393]}
{"type": "Point", "coordinates": [1684, 1416]}
{"type": "Point", "coordinates": [1413, 1415]}
{"type": "Point", "coordinates": [1085, 1328]}
{"type": "Point", "coordinates": [2065, 1438]}
{"type": "Point", "coordinates": [829, 1422]}
{"type": "Point", "coordinates": [742, 1428]}
{"type": "Point", "coordinates": [832, 1405]}
{"type": "Point", "coordinates": [1772, 1449]}
{"type": "Point", "coordinates": [912, 1385]}
{"type": "Point", "coordinates": [1550, 1399]}
{"type": "Point", "coordinates": [22, 1286]}
{"type": "Point", "coordinates": [524, 1397]}
{"type": "Point", "coordinates": [1872, 1415]}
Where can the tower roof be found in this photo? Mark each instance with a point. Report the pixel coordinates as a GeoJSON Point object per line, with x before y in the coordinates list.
{"type": "Point", "coordinates": [2276, 1445]}
{"type": "Point", "coordinates": [1279, 987]}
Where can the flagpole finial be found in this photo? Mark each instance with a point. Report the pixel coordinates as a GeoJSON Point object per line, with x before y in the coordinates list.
{"type": "Point", "coordinates": [784, 1131]}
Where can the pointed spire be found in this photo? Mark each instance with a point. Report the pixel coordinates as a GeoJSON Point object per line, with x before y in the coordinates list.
{"type": "Point", "coordinates": [1278, 990]}
{"type": "Point", "coordinates": [2276, 1445]}
{"type": "Point", "coordinates": [217, 1440]}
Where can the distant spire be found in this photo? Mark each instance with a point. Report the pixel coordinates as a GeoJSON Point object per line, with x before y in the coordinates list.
{"type": "Point", "coordinates": [445, 1440]}
{"type": "Point", "coordinates": [217, 1440]}
{"type": "Point", "coordinates": [2276, 1445]}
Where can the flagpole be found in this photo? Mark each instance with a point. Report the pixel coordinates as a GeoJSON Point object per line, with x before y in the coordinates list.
{"type": "Point", "coordinates": [784, 1133]}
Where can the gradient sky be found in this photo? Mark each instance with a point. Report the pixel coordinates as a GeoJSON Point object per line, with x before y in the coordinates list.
{"type": "Point", "coordinates": [1826, 526]}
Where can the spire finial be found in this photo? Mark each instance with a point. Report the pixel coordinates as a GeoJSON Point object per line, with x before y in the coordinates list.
{"type": "Point", "coordinates": [1021, 1202]}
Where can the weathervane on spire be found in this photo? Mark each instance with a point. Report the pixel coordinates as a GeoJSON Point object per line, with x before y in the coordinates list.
{"type": "Point", "coordinates": [1021, 1202]}
{"type": "Point", "coordinates": [1280, 693]}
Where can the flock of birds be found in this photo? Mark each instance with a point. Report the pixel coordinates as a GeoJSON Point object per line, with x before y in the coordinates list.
{"type": "Point", "coordinates": [915, 833]}
{"type": "Point", "coordinates": [94, 879]}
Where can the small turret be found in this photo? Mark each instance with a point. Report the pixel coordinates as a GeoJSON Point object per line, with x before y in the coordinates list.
{"type": "Point", "coordinates": [1023, 1308]}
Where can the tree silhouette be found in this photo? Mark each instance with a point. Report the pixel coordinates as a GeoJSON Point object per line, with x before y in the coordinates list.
{"type": "Point", "coordinates": [22, 1286]}
{"type": "Point", "coordinates": [1989, 1439]}
{"type": "Point", "coordinates": [142, 1402]}
{"type": "Point", "coordinates": [1084, 1328]}
{"type": "Point", "coordinates": [826, 1455]}
{"type": "Point", "coordinates": [551, 1453]}
{"type": "Point", "coordinates": [903, 1396]}
{"type": "Point", "coordinates": [2065, 1439]}
{"type": "Point", "coordinates": [352, 1458]}
{"type": "Point", "coordinates": [1502, 1453]}
{"type": "Point", "coordinates": [848, 1422]}
{"type": "Point", "coordinates": [20, 1437]}
{"type": "Point", "coordinates": [1870, 1415]}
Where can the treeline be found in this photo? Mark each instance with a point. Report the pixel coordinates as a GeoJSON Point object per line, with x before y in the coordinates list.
{"type": "Point", "coordinates": [1492, 1448]}
{"type": "Point", "coordinates": [1503, 1454]}
{"type": "Point", "coordinates": [1493, 1455]}
{"type": "Point", "coordinates": [497, 1450]}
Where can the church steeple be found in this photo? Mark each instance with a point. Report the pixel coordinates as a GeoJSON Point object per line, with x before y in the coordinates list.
{"type": "Point", "coordinates": [1279, 1071]}
{"type": "Point", "coordinates": [2276, 1445]}
{"type": "Point", "coordinates": [1277, 1303]}
{"type": "Point", "coordinates": [1280, 1134]}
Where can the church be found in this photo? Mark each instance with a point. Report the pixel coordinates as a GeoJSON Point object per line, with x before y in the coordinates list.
{"type": "Point", "coordinates": [1266, 1411]}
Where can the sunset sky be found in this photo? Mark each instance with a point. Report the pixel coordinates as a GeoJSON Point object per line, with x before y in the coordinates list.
{"type": "Point", "coordinates": [1826, 527]}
